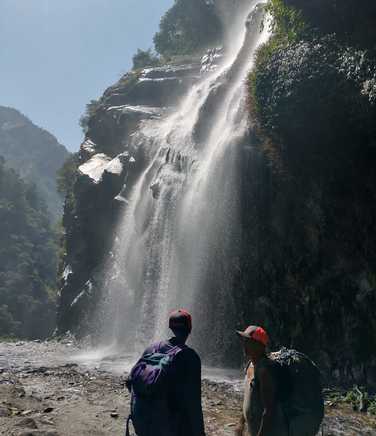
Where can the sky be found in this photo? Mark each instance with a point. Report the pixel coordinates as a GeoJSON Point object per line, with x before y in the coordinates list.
{"type": "Point", "coordinates": [57, 55]}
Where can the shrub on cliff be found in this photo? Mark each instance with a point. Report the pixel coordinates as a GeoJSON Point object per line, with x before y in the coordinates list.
{"type": "Point", "coordinates": [287, 22]}
{"type": "Point", "coordinates": [28, 257]}
{"type": "Point", "coordinates": [351, 22]}
{"type": "Point", "coordinates": [188, 27]}
{"type": "Point", "coordinates": [91, 109]}
{"type": "Point", "coordinates": [66, 176]}
{"type": "Point", "coordinates": [145, 58]}
{"type": "Point", "coordinates": [309, 99]}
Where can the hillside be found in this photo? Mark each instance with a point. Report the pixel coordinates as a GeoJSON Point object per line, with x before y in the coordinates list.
{"type": "Point", "coordinates": [34, 153]}
{"type": "Point", "coordinates": [28, 260]}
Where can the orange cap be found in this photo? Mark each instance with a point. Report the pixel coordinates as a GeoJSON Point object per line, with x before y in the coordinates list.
{"type": "Point", "coordinates": [256, 333]}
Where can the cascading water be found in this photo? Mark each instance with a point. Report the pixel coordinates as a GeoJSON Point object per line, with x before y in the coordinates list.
{"type": "Point", "coordinates": [178, 242]}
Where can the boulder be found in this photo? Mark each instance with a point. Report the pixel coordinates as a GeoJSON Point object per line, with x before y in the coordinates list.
{"type": "Point", "coordinates": [93, 169]}
{"type": "Point", "coordinates": [101, 178]}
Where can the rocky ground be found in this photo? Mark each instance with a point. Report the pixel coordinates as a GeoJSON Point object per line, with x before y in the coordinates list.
{"type": "Point", "coordinates": [66, 399]}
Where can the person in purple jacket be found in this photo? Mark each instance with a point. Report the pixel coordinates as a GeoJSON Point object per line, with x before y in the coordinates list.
{"type": "Point", "coordinates": [174, 408]}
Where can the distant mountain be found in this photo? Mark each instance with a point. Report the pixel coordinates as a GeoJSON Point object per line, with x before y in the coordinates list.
{"type": "Point", "coordinates": [34, 153]}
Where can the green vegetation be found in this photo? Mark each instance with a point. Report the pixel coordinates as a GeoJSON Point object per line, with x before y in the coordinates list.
{"type": "Point", "coordinates": [145, 58]}
{"type": "Point", "coordinates": [190, 26]}
{"type": "Point", "coordinates": [66, 179]}
{"type": "Point", "coordinates": [303, 76]}
{"type": "Point", "coordinates": [358, 397]}
{"type": "Point", "coordinates": [91, 109]}
{"type": "Point", "coordinates": [66, 176]}
{"type": "Point", "coordinates": [128, 82]}
{"type": "Point", "coordinates": [34, 153]}
{"type": "Point", "coordinates": [28, 258]}
{"type": "Point", "coordinates": [288, 24]}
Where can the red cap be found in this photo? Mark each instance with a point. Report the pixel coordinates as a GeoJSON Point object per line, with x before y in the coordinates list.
{"type": "Point", "coordinates": [180, 319]}
{"type": "Point", "coordinates": [256, 333]}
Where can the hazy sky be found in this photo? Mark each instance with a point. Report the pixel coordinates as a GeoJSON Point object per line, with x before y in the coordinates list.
{"type": "Point", "coordinates": [56, 55]}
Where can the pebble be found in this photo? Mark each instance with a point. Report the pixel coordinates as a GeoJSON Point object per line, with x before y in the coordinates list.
{"type": "Point", "coordinates": [26, 412]}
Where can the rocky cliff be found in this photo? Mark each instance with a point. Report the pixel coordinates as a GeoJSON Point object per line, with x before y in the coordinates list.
{"type": "Point", "coordinates": [304, 264]}
{"type": "Point", "coordinates": [34, 153]}
{"type": "Point", "coordinates": [109, 161]}
{"type": "Point", "coordinates": [312, 97]}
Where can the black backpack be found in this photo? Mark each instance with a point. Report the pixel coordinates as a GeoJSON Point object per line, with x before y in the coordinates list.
{"type": "Point", "coordinates": [302, 401]}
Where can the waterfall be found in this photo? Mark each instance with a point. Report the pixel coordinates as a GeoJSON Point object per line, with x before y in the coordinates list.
{"type": "Point", "coordinates": [177, 244]}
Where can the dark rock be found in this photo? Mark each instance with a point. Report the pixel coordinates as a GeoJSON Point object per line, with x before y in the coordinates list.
{"type": "Point", "coordinates": [159, 86]}
{"type": "Point", "coordinates": [115, 123]}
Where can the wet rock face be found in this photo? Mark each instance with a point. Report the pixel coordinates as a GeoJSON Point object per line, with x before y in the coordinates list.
{"type": "Point", "coordinates": [109, 164]}
{"type": "Point", "coordinates": [100, 180]}
{"type": "Point", "coordinates": [138, 96]}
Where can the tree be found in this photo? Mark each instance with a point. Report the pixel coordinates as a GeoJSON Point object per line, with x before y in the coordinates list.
{"type": "Point", "coordinates": [67, 174]}
{"type": "Point", "coordinates": [91, 109]}
{"type": "Point", "coordinates": [188, 27]}
{"type": "Point", "coordinates": [28, 260]}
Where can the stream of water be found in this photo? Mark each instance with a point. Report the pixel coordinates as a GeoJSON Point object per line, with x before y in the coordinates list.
{"type": "Point", "coordinates": [177, 244]}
